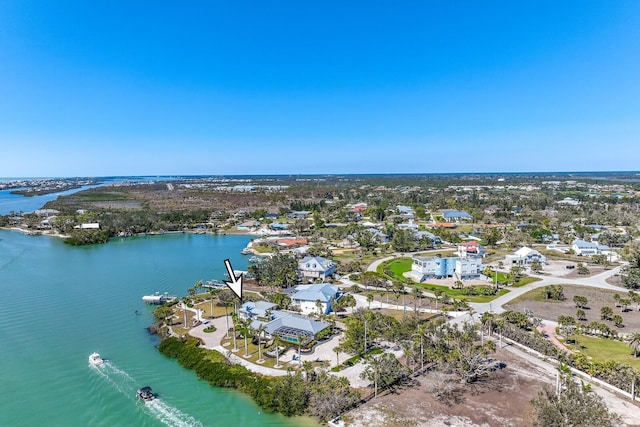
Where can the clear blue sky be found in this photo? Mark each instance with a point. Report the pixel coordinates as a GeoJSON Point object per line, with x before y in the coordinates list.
{"type": "Point", "coordinates": [202, 87]}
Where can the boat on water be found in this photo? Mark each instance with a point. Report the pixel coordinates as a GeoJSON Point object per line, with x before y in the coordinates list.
{"type": "Point", "coordinates": [158, 298]}
{"type": "Point", "coordinates": [146, 394]}
{"type": "Point", "coordinates": [95, 359]}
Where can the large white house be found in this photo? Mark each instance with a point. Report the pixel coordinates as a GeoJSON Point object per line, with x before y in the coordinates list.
{"type": "Point", "coordinates": [525, 256]}
{"type": "Point", "coordinates": [424, 268]}
{"type": "Point", "coordinates": [316, 267]}
{"type": "Point", "coordinates": [314, 298]}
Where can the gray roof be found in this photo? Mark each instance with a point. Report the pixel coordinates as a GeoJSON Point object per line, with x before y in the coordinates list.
{"type": "Point", "coordinates": [317, 263]}
{"type": "Point", "coordinates": [452, 213]}
{"type": "Point", "coordinates": [323, 292]}
{"type": "Point", "coordinates": [298, 322]}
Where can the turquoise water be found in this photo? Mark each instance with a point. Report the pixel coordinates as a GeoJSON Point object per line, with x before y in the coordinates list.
{"type": "Point", "coordinates": [61, 303]}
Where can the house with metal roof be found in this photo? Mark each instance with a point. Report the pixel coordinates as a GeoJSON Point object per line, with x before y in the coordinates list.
{"type": "Point", "coordinates": [295, 328]}
{"type": "Point", "coordinates": [525, 256]}
{"type": "Point", "coordinates": [455, 215]}
{"type": "Point", "coordinates": [584, 248]}
{"type": "Point", "coordinates": [307, 297]}
{"type": "Point", "coordinates": [255, 309]}
{"type": "Point", "coordinates": [470, 248]}
{"type": "Point", "coordinates": [316, 267]}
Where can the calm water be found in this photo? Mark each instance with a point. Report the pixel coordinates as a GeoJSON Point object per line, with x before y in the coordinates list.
{"type": "Point", "coordinates": [61, 303]}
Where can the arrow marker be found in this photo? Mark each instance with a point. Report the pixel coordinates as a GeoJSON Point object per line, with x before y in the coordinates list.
{"type": "Point", "coordinates": [235, 284]}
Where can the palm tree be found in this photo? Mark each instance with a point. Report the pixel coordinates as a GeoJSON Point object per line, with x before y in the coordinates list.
{"type": "Point", "coordinates": [369, 299]}
{"type": "Point", "coordinates": [319, 306]}
{"type": "Point", "coordinates": [437, 293]}
{"type": "Point", "coordinates": [211, 301]}
{"type": "Point", "coordinates": [337, 349]}
{"type": "Point", "coordinates": [236, 321]}
{"type": "Point", "coordinates": [634, 343]}
{"type": "Point", "coordinates": [260, 330]}
{"type": "Point", "coordinates": [246, 329]}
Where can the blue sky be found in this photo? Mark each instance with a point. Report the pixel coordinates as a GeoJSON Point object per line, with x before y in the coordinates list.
{"type": "Point", "coordinates": [91, 88]}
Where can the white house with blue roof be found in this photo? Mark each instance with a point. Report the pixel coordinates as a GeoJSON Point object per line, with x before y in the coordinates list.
{"type": "Point", "coordinates": [584, 248]}
{"type": "Point", "coordinates": [306, 297]}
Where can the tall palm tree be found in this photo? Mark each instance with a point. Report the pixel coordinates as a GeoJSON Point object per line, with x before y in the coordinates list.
{"type": "Point", "coordinates": [260, 330]}
{"type": "Point", "coordinates": [236, 323]}
{"type": "Point", "coordinates": [634, 343]}
{"type": "Point", "coordinates": [369, 299]}
{"type": "Point", "coordinates": [246, 330]}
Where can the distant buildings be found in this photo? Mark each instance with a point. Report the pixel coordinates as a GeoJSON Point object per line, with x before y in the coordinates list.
{"type": "Point", "coordinates": [470, 248]}
{"type": "Point", "coordinates": [452, 215]}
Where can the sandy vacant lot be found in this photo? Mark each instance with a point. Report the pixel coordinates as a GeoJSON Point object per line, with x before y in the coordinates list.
{"type": "Point", "coordinates": [502, 400]}
{"type": "Point", "coordinates": [597, 298]}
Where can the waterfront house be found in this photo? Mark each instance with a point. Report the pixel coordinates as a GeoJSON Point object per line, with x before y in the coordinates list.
{"type": "Point", "coordinates": [295, 329]}
{"type": "Point", "coordinates": [256, 309]}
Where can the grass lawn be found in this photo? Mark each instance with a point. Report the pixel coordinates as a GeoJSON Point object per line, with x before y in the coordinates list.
{"type": "Point", "coordinates": [217, 310]}
{"type": "Point", "coordinates": [534, 295]}
{"type": "Point", "coordinates": [263, 249]}
{"type": "Point", "coordinates": [397, 267]}
{"type": "Point", "coordinates": [457, 293]}
{"type": "Point", "coordinates": [605, 349]}
{"type": "Point", "coordinates": [524, 281]}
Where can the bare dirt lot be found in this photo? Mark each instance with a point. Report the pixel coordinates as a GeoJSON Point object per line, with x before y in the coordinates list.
{"type": "Point", "coordinates": [502, 400]}
{"type": "Point", "coordinates": [597, 298]}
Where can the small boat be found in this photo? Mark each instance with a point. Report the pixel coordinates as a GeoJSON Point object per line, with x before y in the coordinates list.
{"type": "Point", "coordinates": [95, 359]}
{"type": "Point", "coordinates": [146, 394]}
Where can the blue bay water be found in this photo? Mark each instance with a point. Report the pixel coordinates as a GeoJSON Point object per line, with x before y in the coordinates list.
{"type": "Point", "coordinates": [61, 303]}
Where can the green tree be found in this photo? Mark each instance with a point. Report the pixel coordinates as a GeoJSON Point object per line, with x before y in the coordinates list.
{"type": "Point", "coordinates": [576, 406]}
{"type": "Point", "coordinates": [581, 315]}
{"type": "Point", "coordinates": [618, 320]}
{"type": "Point", "coordinates": [382, 370]}
{"type": "Point", "coordinates": [634, 343]}
{"type": "Point", "coordinates": [580, 301]}
{"type": "Point", "coordinates": [606, 312]}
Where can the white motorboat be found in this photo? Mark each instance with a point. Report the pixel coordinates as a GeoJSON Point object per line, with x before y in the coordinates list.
{"type": "Point", "coordinates": [95, 359]}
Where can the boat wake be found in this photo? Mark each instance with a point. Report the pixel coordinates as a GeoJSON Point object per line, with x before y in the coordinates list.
{"type": "Point", "coordinates": [157, 408]}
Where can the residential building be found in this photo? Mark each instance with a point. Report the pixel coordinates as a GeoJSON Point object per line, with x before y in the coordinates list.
{"type": "Point", "coordinates": [525, 256]}
{"type": "Point", "coordinates": [314, 298]}
{"type": "Point", "coordinates": [316, 268]}
{"type": "Point", "coordinates": [424, 268]}
{"type": "Point", "coordinates": [452, 215]}
{"type": "Point", "coordinates": [470, 248]}
{"type": "Point", "coordinates": [257, 309]}
{"type": "Point", "coordinates": [584, 248]}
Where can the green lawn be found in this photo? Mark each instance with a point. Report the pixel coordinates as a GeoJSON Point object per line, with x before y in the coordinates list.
{"type": "Point", "coordinates": [524, 281]}
{"type": "Point", "coordinates": [606, 349]}
{"type": "Point", "coordinates": [398, 266]}
{"type": "Point", "coordinates": [457, 293]}
{"type": "Point", "coordinates": [533, 295]}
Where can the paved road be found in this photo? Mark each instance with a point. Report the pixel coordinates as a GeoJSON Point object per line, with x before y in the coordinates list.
{"type": "Point", "coordinates": [596, 281]}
